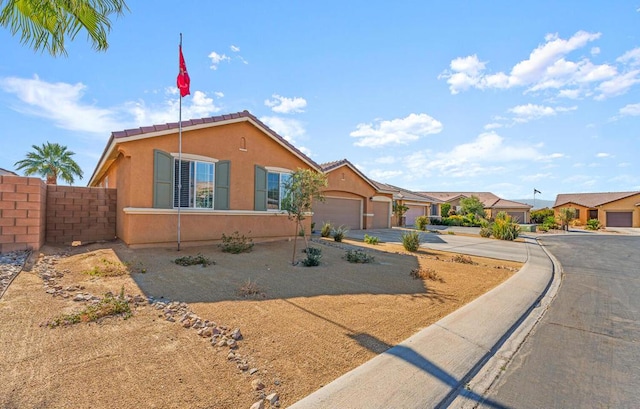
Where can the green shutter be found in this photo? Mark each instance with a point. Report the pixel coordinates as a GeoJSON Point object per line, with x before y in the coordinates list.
{"type": "Point", "coordinates": [260, 199]}
{"type": "Point", "coordinates": [162, 179]}
{"type": "Point", "coordinates": [221, 197]}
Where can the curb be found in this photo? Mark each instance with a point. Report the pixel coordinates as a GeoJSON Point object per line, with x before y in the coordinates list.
{"type": "Point", "coordinates": [487, 373]}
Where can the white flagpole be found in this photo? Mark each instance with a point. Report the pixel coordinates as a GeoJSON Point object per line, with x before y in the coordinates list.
{"type": "Point", "coordinates": [179, 154]}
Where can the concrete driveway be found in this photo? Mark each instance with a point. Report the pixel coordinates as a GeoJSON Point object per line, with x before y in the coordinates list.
{"type": "Point", "coordinates": [586, 350]}
{"type": "Point", "coordinates": [475, 246]}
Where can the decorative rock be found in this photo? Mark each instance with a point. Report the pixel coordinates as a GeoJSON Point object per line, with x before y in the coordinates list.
{"type": "Point", "coordinates": [78, 297]}
{"type": "Point", "coordinates": [231, 355]}
{"type": "Point", "coordinates": [257, 384]}
{"type": "Point", "coordinates": [236, 334]}
{"type": "Point", "coordinates": [253, 370]}
{"type": "Point", "coordinates": [258, 405]}
{"type": "Point", "coordinates": [231, 343]}
{"type": "Point", "coordinates": [206, 332]}
{"type": "Point", "coordinates": [272, 398]}
{"type": "Point", "coordinates": [221, 343]}
{"type": "Point", "coordinates": [243, 366]}
{"type": "Point", "coordinates": [186, 324]}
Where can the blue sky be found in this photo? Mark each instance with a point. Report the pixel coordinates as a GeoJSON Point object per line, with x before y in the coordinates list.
{"type": "Point", "coordinates": [437, 96]}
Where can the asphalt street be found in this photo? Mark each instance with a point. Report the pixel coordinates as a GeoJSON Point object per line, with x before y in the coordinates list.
{"type": "Point", "coordinates": [585, 353]}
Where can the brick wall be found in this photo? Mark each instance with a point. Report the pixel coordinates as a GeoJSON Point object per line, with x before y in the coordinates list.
{"type": "Point", "coordinates": [84, 214]}
{"type": "Point", "coordinates": [22, 213]}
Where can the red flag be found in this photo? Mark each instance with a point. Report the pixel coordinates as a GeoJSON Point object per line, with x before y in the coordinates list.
{"type": "Point", "coordinates": [183, 76]}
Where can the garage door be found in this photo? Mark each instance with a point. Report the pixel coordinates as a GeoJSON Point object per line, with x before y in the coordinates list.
{"type": "Point", "coordinates": [517, 217]}
{"type": "Point", "coordinates": [412, 213]}
{"type": "Point", "coordinates": [381, 213]}
{"type": "Point", "coordinates": [619, 219]}
{"type": "Point", "coordinates": [338, 211]}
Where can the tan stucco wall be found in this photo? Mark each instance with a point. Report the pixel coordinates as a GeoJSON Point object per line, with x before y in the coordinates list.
{"type": "Point", "coordinates": [584, 213]}
{"type": "Point", "coordinates": [627, 204]}
{"type": "Point", "coordinates": [491, 213]}
{"type": "Point", "coordinates": [243, 144]}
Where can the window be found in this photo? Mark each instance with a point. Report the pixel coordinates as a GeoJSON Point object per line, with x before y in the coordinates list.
{"type": "Point", "coordinates": [593, 214]}
{"type": "Point", "coordinates": [197, 184]}
{"type": "Point", "coordinates": [577, 213]}
{"type": "Point", "coordinates": [434, 210]}
{"type": "Point", "coordinates": [275, 189]}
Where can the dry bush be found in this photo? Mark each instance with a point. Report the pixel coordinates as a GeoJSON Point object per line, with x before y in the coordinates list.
{"type": "Point", "coordinates": [426, 274]}
{"type": "Point", "coordinates": [250, 289]}
{"type": "Point", "coordinates": [462, 259]}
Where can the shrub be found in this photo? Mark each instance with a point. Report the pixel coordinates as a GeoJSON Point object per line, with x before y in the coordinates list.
{"type": "Point", "coordinates": [593, 224]}
{"type": "Point", "coordinates": [540, 215]}
{"type": "Point", "coordinates": [462, 259]}
{"type": "Point", "coordinates": [543, 228]}
{"type": "Point", "coordinates": [422, 222]}
{"type": "Point", "coordinates": [455, 220]}
{"type": "Point", "coordinates": [411, 240]}
{"type": "Point", "coordinates": [550, 223]}
{"type": "Point", "coordinates": [485, 232]}
{"type": "Point", "coordinates": [358, 256]}
{"type": "Point", "coordinates": [371, 239]}
{"type": "Point", "coordinates": [193, 260]}
{"type": "Point", "coordinates": [314, 255]}
{"type": "Point", "coordinates": [236, 243]}
{"type": "Point", "coordinates": [109, 306]}
{"type": "Point", "coordinates": [107, 269]}
{"type": "Point", "coordinates": [325, 231]}
{"type": "Point", "coordinates": [426, 273]}
{"type": "Point", "coordinates": [504, 228]}
{"type": "Point", "coordinates": [339, 232]}
{"type": "Point", "coordinates": [250, 289]}
{"type": "Point", "coordinates": [444, 209]}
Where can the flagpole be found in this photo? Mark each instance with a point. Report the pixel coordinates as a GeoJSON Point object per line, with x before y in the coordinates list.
{"type": "Point", "coordinates": [179, 155]}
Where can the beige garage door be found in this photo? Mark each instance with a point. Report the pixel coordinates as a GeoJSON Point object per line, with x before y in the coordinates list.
{"type": "Point", "coordinates": [381, 213]}
{"type": "Point", "coordinates": [619, 219]}
{"type": "Point", "coordinates": [338, 211]}
{"type": "Point", "coordinates": [413, 212]}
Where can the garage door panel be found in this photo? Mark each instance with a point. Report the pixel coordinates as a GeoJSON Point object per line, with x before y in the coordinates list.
{"type": "Point", "coordinates": [517, 217]}
{"type": "Point", "coordinates": [381, 215]}
{"type": "Point", "coordinates": [412, 213]}
{"type": "Point", "coordinates": [619, 219]}
{"type": "Point", "coordinates": [338, 211]}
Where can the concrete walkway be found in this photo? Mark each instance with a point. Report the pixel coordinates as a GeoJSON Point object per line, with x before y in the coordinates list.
{"type": "Point", "coordinates": [433, 366]}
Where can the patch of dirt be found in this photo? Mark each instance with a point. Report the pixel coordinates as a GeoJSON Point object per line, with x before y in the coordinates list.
{"type": "Point", "coordinates": [305, 327]}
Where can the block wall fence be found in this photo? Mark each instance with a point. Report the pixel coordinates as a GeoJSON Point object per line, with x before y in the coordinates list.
{"type": "Point", "coordinates": [33, 213]}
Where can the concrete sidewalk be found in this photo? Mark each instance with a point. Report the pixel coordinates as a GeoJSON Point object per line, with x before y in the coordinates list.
{"type": "Point", "coordinates": [433, 366]}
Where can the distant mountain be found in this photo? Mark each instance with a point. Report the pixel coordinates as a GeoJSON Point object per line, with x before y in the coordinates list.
{"type": "Point", "coordinates": [539, 204]}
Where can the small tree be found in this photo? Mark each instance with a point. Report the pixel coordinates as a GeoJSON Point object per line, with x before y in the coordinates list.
{"type": "Point", "coordinates": [566, 215]}
{"type": "Point", "coordinates": [399, 210]}
{"type": "Point", "coordinates": [444, 209]}
{"type": "Point", "coordinates": [300, 190]}
{"type": "Point", "coordinates": [472, 205]}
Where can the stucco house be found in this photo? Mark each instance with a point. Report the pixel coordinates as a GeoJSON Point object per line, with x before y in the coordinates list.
{"type": "Point", "coordinates": [418, 204]}
{"type": "Point", "coordinates": [232, 171]}
{"type": "Point", "coordinates": [520, 212]}
{"type": "Point", "coordinates": [612, 209]}
{"type": "Point", "coordinates": [4, 172]}
{"type": "Point", "coordinates": [352, 199]}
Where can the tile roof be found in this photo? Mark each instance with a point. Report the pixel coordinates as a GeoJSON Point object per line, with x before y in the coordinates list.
{"type": "Point", "coordinates": [244, 115]}
{"type": "Point", "coordinates": [591, 199]}
{"type": "Point", "coordinates": [4, 172]}
{"type": "Point", "coordinates": [488, 199]}
{"type": "Point", "coordinates": [329, 166]}
{"type": "Point", "coordinates": [407, 194]}
{"type": "Point", "coordinates": [510, 204]}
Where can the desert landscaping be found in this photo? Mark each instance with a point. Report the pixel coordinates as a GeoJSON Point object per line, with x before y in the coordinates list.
{"type": "Point", "coordinates": [245, 328]}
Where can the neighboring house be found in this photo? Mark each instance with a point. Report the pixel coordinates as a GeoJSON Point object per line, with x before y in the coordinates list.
{"type": "Point", "coordinates": [352, 199]}
{"type": "Point", "coordinates": [492, 204]}
{"type": "Point", "coordinates": [613, 209]}
{"type": "Point", "coordinates": [419, 204]}
{"type": "Point", "coordinates": [232, 171]}
{"type": "Point", "coordinates": [4, 172]}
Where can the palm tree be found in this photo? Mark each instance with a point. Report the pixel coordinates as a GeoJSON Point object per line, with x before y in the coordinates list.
{"type": "Point", "coordinates": [44, 25]}
{"type": "Point", "coordinates": [50, 160]}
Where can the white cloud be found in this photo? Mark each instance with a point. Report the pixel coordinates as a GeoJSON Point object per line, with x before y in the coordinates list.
{"type": "Point", "coordinates": [631, 57]}
{"type": "Point", "coordinates": [382, 175]}
{"type": "Point", "coordinates": [603, 155]}
{"type": "Point", "coordinates": [546, 68]}
{"type": "Point", "coordinates": [396, 131]}
{"type": "Point", "coordinates": [493, 125]}
{"type": "Point", "coordinates": [630, 110]}
{"type": "Point", "coordinates": [285, 105]}
{"type": "Point", "coordinates": [234, 48]}
{"type": "Point", "coordinates": [218, 94]}
{"type": "Point", "coordinates": [624, 164]}
{"type": "Point", "coordinates": [618, 85]}
{"type": "Point", "coordinates": [62, 104]}
{"type": "Point", "coordinates": [526, 113]}
{"type": "Point", "coordinates": [289, 129]}
{"type": "Point", "coordinates": [536, 177]}
{"type": "Point", "coordinates": [569, 93]}
{"type": "Point", "coordinates": [489, 153]}
{"type": "Point", "coordinates": [198, 106]}
{"type": "Point", "coordinates": [216, 59]}
{"type": "Point", "coordinates": [386, 160]}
